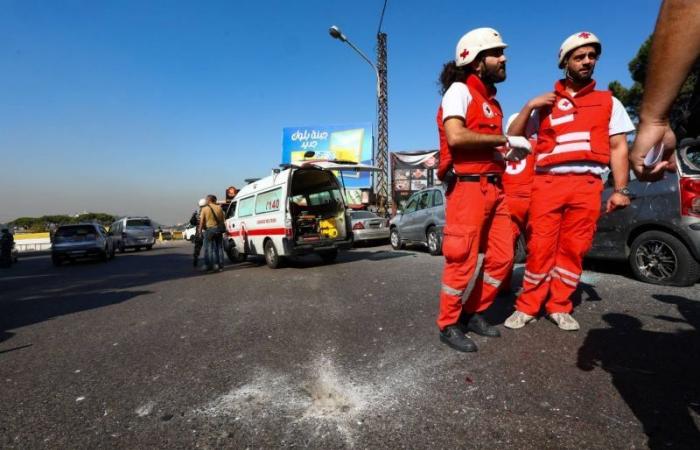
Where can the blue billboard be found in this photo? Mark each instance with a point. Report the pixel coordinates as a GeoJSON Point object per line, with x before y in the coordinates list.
{"type": "Point", "coordinates": [332, 142]}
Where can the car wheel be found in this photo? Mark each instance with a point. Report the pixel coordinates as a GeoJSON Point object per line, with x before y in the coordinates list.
{"type": "Point", "coordinates": [121, 247]}
{"type": "Point", "coordinates": [272, 258]}
{"type": "Point", "coordinates": [658, 257]}
{"type": "Point", "coordinates": [395, 239]}
{"type": "Point", "coordinates": [434, 241]}
{"type": "Point", "coordinates": [234, 255]}
{"type": "Point", "coordinates": [56, 260]}
{"type": "Point", "coordinates": [148, 247]}
{"type": "Point", "coordinates": [329, 256]}
{"type": "Point", "coordinates": [191, 239]}
{"type": "Point", "coordinates": [137, 249]}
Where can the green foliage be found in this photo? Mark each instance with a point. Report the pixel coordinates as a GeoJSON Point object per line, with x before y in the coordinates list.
{"type": "Point", "coordinates": [632, 97]}
{"type": "Point", "coordinates": [41, 224]}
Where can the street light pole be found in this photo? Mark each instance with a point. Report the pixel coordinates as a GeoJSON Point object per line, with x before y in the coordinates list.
{"type": "Point", "coordinates": [382, 145]}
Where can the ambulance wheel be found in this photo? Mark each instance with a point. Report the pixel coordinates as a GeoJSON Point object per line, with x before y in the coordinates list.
{"type": "Point", "coordinates": [660, 258]}
{"type": "Point", "coordinates": [395, 239]}
{"type": "Point", "coordinates": [329, 256]}
{"type": "Point", "coordinates": [234, 255]}
{"type": "Point", "coordinates": [434, 241]}
{"type": "Point", "coordinates": [272, 258]}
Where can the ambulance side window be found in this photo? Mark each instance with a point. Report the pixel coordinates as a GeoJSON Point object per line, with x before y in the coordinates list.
{"type": "Point", "coordinates": [231, 210]}
{"type": "Point", "coordinates": [246, 207]}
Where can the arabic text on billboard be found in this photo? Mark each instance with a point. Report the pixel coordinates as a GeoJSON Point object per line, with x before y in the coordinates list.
{"type": "Point", "coordinates": [332, 142]}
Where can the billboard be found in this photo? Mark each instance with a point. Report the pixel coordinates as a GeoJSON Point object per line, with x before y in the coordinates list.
{"type": "Point", "coordinates": [413, 171]}
{"type": "Point", "coordinates": [340, 142]}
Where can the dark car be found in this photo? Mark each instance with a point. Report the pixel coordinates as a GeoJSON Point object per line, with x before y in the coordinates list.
{"type": "Point", "coordinates": [659, 233]}
{"type": "Point", "coordinates": [71, 242]}
{"type": "Point", "coordinates": [421, 221]}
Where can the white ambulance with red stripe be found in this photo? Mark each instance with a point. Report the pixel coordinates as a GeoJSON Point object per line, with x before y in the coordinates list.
{"type": "Point", "coordinates": [299, 209]}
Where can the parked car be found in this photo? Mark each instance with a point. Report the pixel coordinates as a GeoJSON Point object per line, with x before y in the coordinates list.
{"type": "Point", "coordinates": [8, 251]}
{"type": "Point", "coordinates": [87, 240]}
{"type": "Point", "coordinates": [189, 233]}
{"type": "Point", "coordinates": [421, 221]}
{"type": "Point", "coordinates": [367, 226]}
{"type": "Point", "coordinates": [659, 233]}
{"type": "Point", "coordinates": [133, 232]}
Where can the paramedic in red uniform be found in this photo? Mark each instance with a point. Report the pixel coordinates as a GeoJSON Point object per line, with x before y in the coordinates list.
{"type": "Point", "coordinates": [517, 186]}
{"type": "Point", "coordinates": [580, 132]}
{"type": "Point", "coordinates": [471, 163]}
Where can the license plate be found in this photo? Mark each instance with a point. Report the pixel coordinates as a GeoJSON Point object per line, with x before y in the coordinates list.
{"type": "Point", "coordinates": [77, 252]}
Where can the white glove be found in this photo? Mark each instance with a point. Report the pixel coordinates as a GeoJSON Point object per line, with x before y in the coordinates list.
{"type": "Point", "coordinates": [517, 149]}
{"type": "Point", "coordinates": [520, 143]}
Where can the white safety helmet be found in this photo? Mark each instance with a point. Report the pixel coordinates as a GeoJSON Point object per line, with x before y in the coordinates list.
{"type": "Point", "coordinates": [202, 202]}
{"type": "Point", "coordinates": [476, 41]}
{"type": "Point", "coordinates": [575, 41]}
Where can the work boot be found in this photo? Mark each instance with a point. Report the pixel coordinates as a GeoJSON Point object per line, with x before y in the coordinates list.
{"type": "Point", "coordinates": [518, 320]}
{"type": "Point", "coordinates": [476, 324]}
{"type": "Point", "coordinates": [454, 337]}
{"type": "Point", "coordinates": [564, 321]}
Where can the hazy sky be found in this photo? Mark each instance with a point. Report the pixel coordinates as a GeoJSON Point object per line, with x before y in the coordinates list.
{"type": "Point", "coordinates": [142, 107]}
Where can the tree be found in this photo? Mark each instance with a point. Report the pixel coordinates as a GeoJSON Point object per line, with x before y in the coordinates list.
{"type": "Point", "coordinates": [632, 97]}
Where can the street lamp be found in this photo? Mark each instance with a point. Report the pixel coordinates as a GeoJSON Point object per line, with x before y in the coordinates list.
{"type": "Point", "coordinates": [381, 154]}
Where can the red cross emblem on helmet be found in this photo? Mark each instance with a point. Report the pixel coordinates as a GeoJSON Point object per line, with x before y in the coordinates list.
{"type": "Point", "coordinates": [584, 35]}
{"type": "Point", "coordinates": [464, 53]}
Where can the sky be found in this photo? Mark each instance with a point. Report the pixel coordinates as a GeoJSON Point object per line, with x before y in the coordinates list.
{"type": "Point", "coordinates": [142, 107]}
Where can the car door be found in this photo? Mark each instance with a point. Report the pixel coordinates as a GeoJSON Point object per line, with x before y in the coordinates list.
{"type": "Point", "coordinates": [611, 234]}
{"type": "Point", "coordinates": [437, 210]}
{"type": "Point", "coordinates": [423, 215]}
{"type": "Point", "coordinates": [408, 217]}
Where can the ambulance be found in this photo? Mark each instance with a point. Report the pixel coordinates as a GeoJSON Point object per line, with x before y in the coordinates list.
{"type": "Point", "coordinates": [299, 209]}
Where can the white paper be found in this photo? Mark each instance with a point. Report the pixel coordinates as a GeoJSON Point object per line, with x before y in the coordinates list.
{"type": "Point", "coordinates": [654, 155]}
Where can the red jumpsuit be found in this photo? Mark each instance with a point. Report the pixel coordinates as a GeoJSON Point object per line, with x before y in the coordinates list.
{"type": "Point", "coordinates": [517, 185]}
{"type": "Point", "coordinates": [564, 207]}
{"type": "Point", "coordinates": [477, 218]}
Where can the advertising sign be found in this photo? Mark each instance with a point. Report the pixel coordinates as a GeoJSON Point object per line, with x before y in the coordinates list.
{"type": "Point", "coordinates": [413, 171]}
{"type": "Point", "coordinates": [331, 142]}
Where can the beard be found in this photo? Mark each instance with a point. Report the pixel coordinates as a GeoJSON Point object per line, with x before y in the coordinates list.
{"type": "Point", "coordinates": [578, 77]}
{"type": "Point", "coordinates": [494, 74]}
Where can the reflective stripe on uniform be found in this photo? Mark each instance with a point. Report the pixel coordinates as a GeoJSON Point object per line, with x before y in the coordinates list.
{"type": "Point", "coordinates": [452, 291]}
{"type": "Point", "coordinates": [491, 280]}
{"type": "Point", "coordinates": [570, 274]}
{"type": "Point", "coordinates": [564, 280]}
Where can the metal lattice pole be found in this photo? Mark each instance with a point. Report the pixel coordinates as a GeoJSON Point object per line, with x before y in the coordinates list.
{"type": "Point", "coordinates": [382, 153]}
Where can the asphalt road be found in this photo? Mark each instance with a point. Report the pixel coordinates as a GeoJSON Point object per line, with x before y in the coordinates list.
{"type": "Point", "coordinates": [143, 351]}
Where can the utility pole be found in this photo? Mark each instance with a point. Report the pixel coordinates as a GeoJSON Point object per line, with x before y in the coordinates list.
{"type": "Point", "coordinates": [382, 156]}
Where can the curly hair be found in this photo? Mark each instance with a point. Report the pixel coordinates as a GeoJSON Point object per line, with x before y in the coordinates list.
{"type": "Point", "coordinates": [450, 74]}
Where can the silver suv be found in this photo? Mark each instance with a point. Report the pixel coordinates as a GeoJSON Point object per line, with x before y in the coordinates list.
{"type": "Point", "coordinates": [421, 221]}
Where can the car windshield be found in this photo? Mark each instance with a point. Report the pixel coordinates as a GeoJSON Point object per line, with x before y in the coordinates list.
{"type": "Point", "coordinates": [363, 215]}
{"type": "Point", "coordinates": [79, 231]}
{"type": "Point", "coordinates": [138, 223]}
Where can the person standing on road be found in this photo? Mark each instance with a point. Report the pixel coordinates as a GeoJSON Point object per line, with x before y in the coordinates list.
{"type": "Point", "coordinates": [198, 239]}
{"type": "Point", "coordinates": [580, 131]}
{"type": "Point", "coordinates": [210, 224]}
{"type": "Point", "coordinates": [471, 163]}
{"type": "Point", "coordinates": [517, 187]}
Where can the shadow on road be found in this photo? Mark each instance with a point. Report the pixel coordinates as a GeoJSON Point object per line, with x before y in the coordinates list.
{"type": "Point", "coordinates": [656, 373]}
{"type": "Point", "coordinates": [41, 292]}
